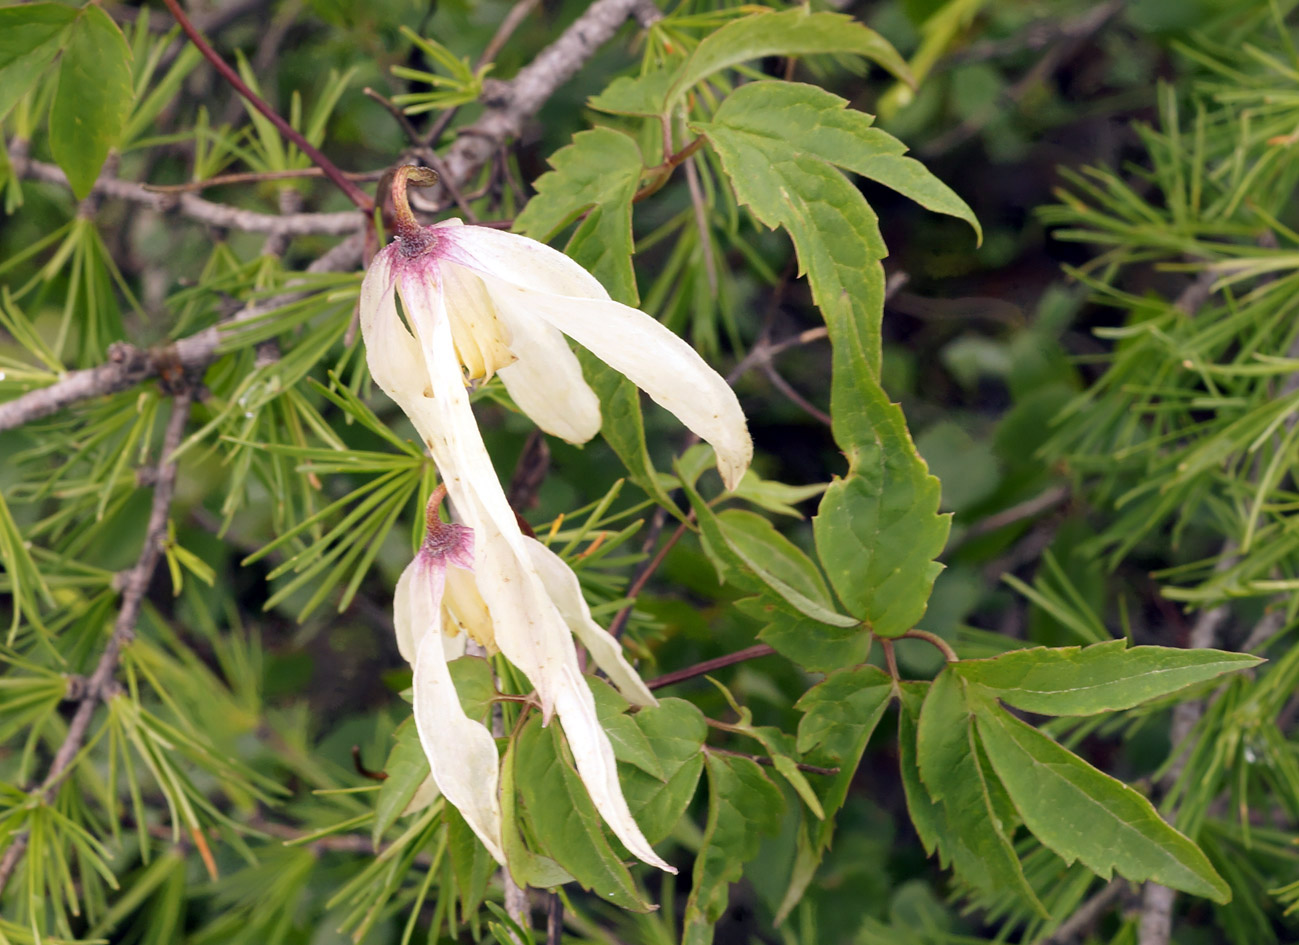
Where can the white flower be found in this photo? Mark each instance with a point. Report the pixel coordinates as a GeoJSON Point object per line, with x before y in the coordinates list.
{"type": "Point", "coordinates": [476, 302]}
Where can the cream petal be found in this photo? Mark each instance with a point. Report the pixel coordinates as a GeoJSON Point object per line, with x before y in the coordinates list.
{"type": "Point", "coordinates": [427, 792]}
{"type": "Point", "coordinates": [546, 381]}
{"type": "Point", "coordinates": [411, 616]}
{"type": "Point", "coordinates": [593, 756]}
{"type": "Point", "coordinates": [461, 752]}
{"type": "Point", "coordinates": [528, 279]}
{"type": "Point", "coordinates": [651, 357]}
{"type": "Point", "coordinates": [565, 590]}
{"type": "Point", "coordinates": [391, 352]}
{"type": "Point", "coordinates": [520, 260]}
{"type": "Point", "coordinates": [529, 630]}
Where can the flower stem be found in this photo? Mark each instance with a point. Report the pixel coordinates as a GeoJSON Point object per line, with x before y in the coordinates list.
{"type": "Point", "coordinates": [413, 238]}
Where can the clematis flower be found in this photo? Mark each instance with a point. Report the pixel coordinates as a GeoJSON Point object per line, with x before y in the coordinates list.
{"type": "Point", "coordinates": [478, 302]}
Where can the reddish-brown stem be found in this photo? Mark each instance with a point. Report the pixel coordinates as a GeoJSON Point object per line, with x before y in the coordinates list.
{"type": "Point", "coordinates": [355, 194]}
{"type": "Point", "coordinates": [934, 639]}
{"type": "Point", "coordinates": [638, 585]}
{"type": "Point", "coordinates": [890, 658]}
{"type": "Point", "coordinates": [664, 171]}
{"type": "Point", "coordinates": [707, 666]}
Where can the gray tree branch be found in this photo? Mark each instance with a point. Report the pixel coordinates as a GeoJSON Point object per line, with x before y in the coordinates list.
{"type": "Point", "coordinates": [135, 584]}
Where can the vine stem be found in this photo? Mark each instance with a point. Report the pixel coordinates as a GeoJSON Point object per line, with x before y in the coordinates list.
{"type": "Point", "coordinates": [363, 201]}
{"type": "Point", "coordinates": [933, 639]}
{"type": "Point", "coordinates": [707, 666]}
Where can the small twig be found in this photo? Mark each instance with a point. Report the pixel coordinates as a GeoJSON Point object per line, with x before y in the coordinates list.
{"type": "Point", "coordinates": [763, 759]}
{"type": "Point", "coordinates": [644, 574]}
{"type": "Point", "coordinates": [1156, 924]}
{"type": "Point", "coordinates": [1027, 509]}
{"type": "Point", "coordinates": [529, 472]}
{"type": "Point", "coordinates": [707, 666]}
{"type": "Point", "coordinates": [662, 173]}
{"type": "Point", "coordinates": [1052, 59]}
{"type": "Point", "coordinates": [554, 919]}
{"type": "Point", "coordinates": [256, 177]}
{"type": "Point", "coordinates": [782, 385]}
{"type": "Point", "coordinates": [204, 211]}
{"type": "Point", "coordinates": [128, 365]}
{"type": "Point", "coordinates": [934, 640]}
{"type": "Point", "coordinates": [134, 587]}
{"type": "Point", "coordinates": [513, 20]}
{"type": "Point", "coordinates": [412, 133]}
{"type": "Point", "coordinates": [1087, 914]}
{"type": "Point", "coordinates": [360, 198]}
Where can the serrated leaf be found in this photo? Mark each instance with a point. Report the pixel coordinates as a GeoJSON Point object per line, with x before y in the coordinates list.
{"type": "Point", "coordinates": [926, 815]}
{"type": "Point", "coordinates": [93, 99]}
{"type": "Point", "coordinates": [597, 174]}
{"type": "Point", "coordinates": [564, 819]}
{"type": "Point", "coordinates": [778, 497]}
{"type": "Point", "coordinates": [641, 95]}
{"type": "Point", "coordinates": [839, 716]}
{"type": "Point", "coordinates": [755, 557]}
{"type": "Point", "coordinates": [878, 530]}
{"type": "Point", "coordinates": [1083, 814]}
{"type": "Point", "coordinates": [817, 647]}
{"type": "Point", "coordinates": [795, 32]}
{"type": "Point", "coordinates": [526, 867]}
{"type": "Point", "coordinates": [407, 768]}
{"type": "Point", "coordinates": [742, 806]}
{"type": "Point", "coordinates": [675, 731]}
{"type": "Point", "coordinates": [977, 839]}
{"type": "Point", "coordinates": [31, 35]}
{"type": "Point", "coordinates": [1103, 677]}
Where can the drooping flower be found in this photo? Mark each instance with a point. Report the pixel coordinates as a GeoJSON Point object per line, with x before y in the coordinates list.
{"type": "Point", "coordinates": [462, 753]}
{"type": "Point", "coordinates": [478, 302]}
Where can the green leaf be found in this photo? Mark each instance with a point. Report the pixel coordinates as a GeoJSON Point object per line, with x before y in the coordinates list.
{"type": "Point", "coordinates": [839, 716]}
{"type": "Point", "coordinates": [31, 35]}
{"type": "Point", "coordinates": [597, 174]}
{"type": "Point", "coordinates": [913, 180]}
{"type": "Point", "coordinates": [471, 864]}
{"type": "Point", "coordinates": [755, 557]}
{"type": "Point", "coordinates": [926, 815]}
{"type": "Point", "coordinates": [474, 684]}
{"type": "Point", "coordinates": [407, 768]}
{"type": "Point", "coordinates": [564, 819]}
{"type": "Point", "coordinates": [642, 95]}
{"type": "Point", "coordinates": [979, 822]}
{"type": "Point", "coordinates": [1083, 814]}
{"type": "Point", "coordinates": [526, 868]}
{"type": "Point", "coordinates": [817, 647]}
{"type": "Point", "coordinates": [795, 32]}
{"type": "Point", "coordinates": [93, 99]}
{"type": "Point", "coordinates": [674, 731]}
{"type": "Point", "coordinates": [1103, 677]}
{"type": "Point", "coordinates": [778, 497]}
{"type": "Point", "coordinates": [623, 426]}
{"type": "Point", "coordinates": [878, 530]}
{"type": "Point", "coordinates": [742, 806]}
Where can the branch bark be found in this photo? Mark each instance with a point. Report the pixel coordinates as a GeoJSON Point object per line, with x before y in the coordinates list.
{"type": "Point", "coordinates": [135, 585]}
{"type": "Point", "coordinates": [204, 211]}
